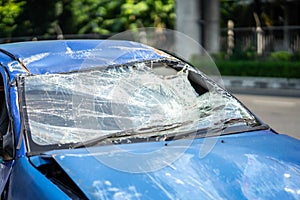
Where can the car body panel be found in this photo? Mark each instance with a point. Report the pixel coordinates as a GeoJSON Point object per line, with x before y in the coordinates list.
{"type": "Point", "coordinates": [26, 182]}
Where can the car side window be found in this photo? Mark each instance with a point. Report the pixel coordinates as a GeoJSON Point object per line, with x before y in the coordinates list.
{"type": "Point", "coordinates": [6, 141]}
{"type": "Point", "coordinates": [3, 112]}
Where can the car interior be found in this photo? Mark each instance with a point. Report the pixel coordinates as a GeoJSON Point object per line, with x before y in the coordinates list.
{"type": "Point", "coordinates": [5, 136]}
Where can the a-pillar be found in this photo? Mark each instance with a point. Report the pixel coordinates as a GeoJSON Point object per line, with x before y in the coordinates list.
{"type": "Point", "coordinates": [188, 18]}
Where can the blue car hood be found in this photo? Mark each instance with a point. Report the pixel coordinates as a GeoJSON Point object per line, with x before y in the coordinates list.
{"type": "Point", "coordinates": [253, 165]}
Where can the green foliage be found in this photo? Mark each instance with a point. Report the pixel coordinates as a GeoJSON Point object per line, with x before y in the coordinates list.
{"type": "Point", "coordinates": [248, 54]}
{"type": "Point", "coordinates": [226, 10]}
{"type": "Point", "coordinates": [270, 13]}
{"type": "Point", "coordinates": [285, 69]}
{"type": "Point", "coordinates": [9, 11]}
{"type": "Point", "coordinates": [280, 56]}
{"type": "Point", "coordinates": [277, 64]}
{"type": "Point", "coordinates": [94, 16]}
{"type": "Point", "coordinates": [105, 17]}
{"type": "Point", "coordinates": [296, 56]}
{"type": "Point", "coordinates": [37, 18]}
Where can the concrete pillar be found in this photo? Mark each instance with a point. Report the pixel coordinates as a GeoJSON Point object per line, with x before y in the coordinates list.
{"type": "Point", "coordinates": [188, 15]}
{"type": "Point", "coordinates": [259, 37]}
{"type": "Point", "coordinates": [230, 37]}
{"type": "Point", "coordinates": [212, 26]}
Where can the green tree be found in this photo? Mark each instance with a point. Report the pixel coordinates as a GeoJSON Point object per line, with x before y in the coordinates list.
{"type": "Point", "coordinates": [107, 17]}
{"type": "Point", "coordinates": [270, 13]}
{"type": "Point", "coordinates": [92, 16]}
{"type": "Point", "coordinates": [9, 11]}
{"type": "Point", "coordinates": [149, 13]}
{"type": "Point", "coordinates": [38, 17]}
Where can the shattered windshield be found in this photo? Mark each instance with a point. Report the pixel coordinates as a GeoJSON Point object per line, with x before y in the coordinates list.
{"type": "Point", "coordinates": [80, 106]}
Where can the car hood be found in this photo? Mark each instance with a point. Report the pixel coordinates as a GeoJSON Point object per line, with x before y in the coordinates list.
{"type": "Point", "coordinates": [253, 165]}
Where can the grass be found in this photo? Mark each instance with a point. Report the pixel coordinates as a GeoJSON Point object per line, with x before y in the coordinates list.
{"type": "Point", "coordinates": [284, 69]}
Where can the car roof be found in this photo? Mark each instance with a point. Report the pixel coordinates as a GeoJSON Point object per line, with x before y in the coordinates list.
{"type": "Point", "coordinates": [59, 56]}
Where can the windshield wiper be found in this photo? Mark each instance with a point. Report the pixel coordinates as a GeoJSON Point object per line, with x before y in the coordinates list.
{"type": "Point", "coordinates": [247, 121]}
{"type": "Point", "coordinates": [221, 127]}
{"type": "Point", "coordinates": [130, 133]}
{"type": "Point", "coordinates": [169, 136]}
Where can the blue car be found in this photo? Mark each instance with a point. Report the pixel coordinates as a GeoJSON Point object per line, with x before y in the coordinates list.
{"type": "Point", "coordinates": [113, 119]}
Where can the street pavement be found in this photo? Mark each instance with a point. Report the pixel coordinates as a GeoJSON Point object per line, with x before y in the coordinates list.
{"type": "Point", "coordinates": [280, 113]}
{"type": "Point", "coordinates": [276, 101]}
{"type": "Point", "coordinates": [262, 86]}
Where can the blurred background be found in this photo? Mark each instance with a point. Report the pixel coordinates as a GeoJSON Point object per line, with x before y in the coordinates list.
{"type": "Point", "coordinates": [254, 43]}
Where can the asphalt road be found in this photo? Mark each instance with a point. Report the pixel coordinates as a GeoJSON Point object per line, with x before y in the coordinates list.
{"type": "Point", "coordinates": [281, 113]}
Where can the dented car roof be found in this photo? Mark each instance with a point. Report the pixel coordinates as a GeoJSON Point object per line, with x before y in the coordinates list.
{"type": "Point", "coordinates": [58, 56]}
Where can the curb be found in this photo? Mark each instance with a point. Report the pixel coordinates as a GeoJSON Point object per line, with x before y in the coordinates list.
{"type": "Point", "coordinates": [262, 85]}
